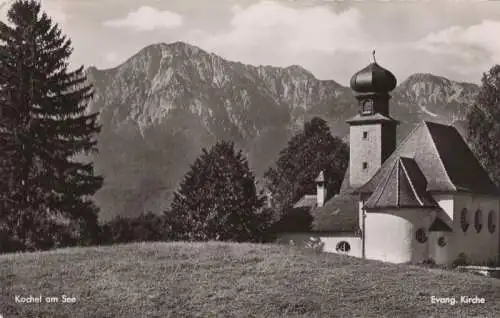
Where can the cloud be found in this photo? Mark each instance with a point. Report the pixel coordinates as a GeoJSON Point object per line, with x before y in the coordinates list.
{"type": "Point", "coordinates": [334, 44]}
{"type": "Point", "coordinates": [476, 45]}
{"type": "Point", "coordinates": [269, 32]}
{"type": "Point", "coordinates": [147, 19]}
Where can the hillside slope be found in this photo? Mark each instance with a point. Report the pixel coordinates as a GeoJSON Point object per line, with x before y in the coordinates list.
{"type": "Point", "coordinates": [167, 101]}
{"type": "Point", "coordinates": [231, 280]}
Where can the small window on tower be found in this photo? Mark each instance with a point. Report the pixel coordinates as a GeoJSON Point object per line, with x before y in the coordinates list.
{"type": "Point", "coordinates": [365, 134]}
{"type": "Point", "coordinates": [365, 165]}
{"type": "Point", "coordinates": [367, 107]}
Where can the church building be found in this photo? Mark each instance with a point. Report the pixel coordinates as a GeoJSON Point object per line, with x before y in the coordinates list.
{"type": "Point", "coordinates": [427, 198]}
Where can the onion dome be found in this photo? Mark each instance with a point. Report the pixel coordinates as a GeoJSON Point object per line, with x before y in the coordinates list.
{"type": "Point", "coordinates": [373, 79]}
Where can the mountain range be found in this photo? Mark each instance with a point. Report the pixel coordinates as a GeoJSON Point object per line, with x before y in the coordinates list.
{"type": "Point", "coordinates": [162, 105]}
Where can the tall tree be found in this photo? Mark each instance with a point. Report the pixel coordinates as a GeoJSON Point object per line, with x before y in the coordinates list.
{"type": "Point", "coordinates": [217, 200]}
{"type": "Point", "coordinates": [307, 154]}
{"type": "Point", "coordinates": [483, 122]}
{"type": "Point", "coordinates": [44, 127]}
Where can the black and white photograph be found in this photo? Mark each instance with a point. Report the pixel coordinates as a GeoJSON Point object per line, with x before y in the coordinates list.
{"type": "Point", "coordinates": [249, 158]}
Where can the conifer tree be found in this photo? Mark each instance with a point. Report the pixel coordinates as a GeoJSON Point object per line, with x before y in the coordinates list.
{"type": "Point", "coordinates": [217, 200]}
{"type": "Point", "coordinates": [45, 191]}
{"type": "Point", "coordinates": [483, 122]}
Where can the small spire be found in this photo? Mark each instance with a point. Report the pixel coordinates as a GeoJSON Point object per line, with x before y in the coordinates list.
{"type": "Point", "coordinates": [320, 177]}
{"type": "Point", "coordinates": [373, 54]}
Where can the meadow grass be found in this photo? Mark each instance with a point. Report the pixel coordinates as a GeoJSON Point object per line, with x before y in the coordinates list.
{"type": "Point", "coordinates": [231, 280]}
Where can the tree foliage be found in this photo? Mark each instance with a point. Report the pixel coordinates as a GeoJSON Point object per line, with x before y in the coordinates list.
{"type": "Point", "coordinates": [307, 154]}
{"type": "Point", "coordinates": [483, 122]}
{"type": "Point", "coordinates": [143, 228]}
{"type": "Point", "coordinates": [44, 127]}
{"type": "Point", "coordinates": [217, 199]}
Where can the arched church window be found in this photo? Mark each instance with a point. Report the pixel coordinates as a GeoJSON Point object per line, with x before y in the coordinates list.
{"type": "Point", "coordinates": [442, 241]}
{"type": "Point", "coordinates": [478, 222]}
{"type": "Point", "coordinates": [491, 222]}
{"type": "Point", "coordinates": [464, 220]}
{"type": "Point", "coordinates": [421, 236]}
{"type": "Point", "coordinates": [343, 247]}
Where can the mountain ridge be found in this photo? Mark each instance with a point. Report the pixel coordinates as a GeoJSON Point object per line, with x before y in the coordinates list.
{"type": "Point", "coordinates": [167, 101]}
{"type": "Point", "coordinates": [293, 66]}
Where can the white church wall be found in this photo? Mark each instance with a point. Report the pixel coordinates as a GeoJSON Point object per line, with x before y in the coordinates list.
{"type": "Point", "coordinates": [440, 247]}
{"type": "Point", "coordinates": [481, 246]}
{"type": "Point", "coordinates": [330, 242]}
{"type": "Point", "coordinates": [391, 235]}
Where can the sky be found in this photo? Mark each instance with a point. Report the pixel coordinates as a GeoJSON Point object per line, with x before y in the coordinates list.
{"type": "Point", "coordinates": [458, 39]}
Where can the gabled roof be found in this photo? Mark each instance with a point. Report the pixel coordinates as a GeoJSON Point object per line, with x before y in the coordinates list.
{"type": "Point", "coordinates": [462, 167]}
{"type": "Point", "coordinates": [439, 225]}
{"type": "Point", "coordinates": [339, 214]}
{"type": "Point", "coordinates": [403, 186]}
{"type": "Point", "coordinates": [307, 201]}
{"type": "Point", "coordinates": [444, 159]}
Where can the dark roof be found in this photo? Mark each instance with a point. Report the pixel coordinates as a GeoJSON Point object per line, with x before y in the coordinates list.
{"type": "Point", "coordinates": [403, 186]}
{"type": "Point", "coordinates": [375, 118]}
{"type": "Point", "coordinates": [462, 167]}
{"type": "Point", "coordinates": [339, 214]}
{"type": "Point", "coordinates": [345, 187]}
{"type": "Point", "coordinates": [308, 200]}
{"type": "Point", "coordinates": [440, 225]}
{"type": "Point", "coordinates": [444, 159]}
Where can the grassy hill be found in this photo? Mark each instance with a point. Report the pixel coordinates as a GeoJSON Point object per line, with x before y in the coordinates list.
{"type": "Point", "coordinates": [231, 280]}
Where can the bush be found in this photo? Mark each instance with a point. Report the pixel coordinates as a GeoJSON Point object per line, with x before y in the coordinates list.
{"type": "Point", "coordinates": [491, 263]}
{"type": "Point", "coordinates": [460, 261]}
{"type": "Point", "coordinates": [29, 233]}
{"type": "Point", "coordinates": [315, 244]}
{"type": "Point", "coordinates": [429, 263]}
{"type": "Point", "coordinates": [294, 220]}
{"type": "Point", "coordinates": [146, 227]}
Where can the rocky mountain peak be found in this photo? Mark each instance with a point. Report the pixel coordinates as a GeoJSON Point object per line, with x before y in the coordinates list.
{"type": "Point", "coordinates": [425, 77]}
{"type": "Point", "coordinates": [430, 81]}
{"type": "Point", "coordinates": [297, 70]}
{"type": "Point", "coordinates": [436, 97]}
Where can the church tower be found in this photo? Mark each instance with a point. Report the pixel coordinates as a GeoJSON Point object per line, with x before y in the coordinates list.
{"type": "Point", "coordinates": [372, 133]}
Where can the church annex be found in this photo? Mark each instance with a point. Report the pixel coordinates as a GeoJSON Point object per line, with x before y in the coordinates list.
{"type": "Point", "coordinates": [426, 198]}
